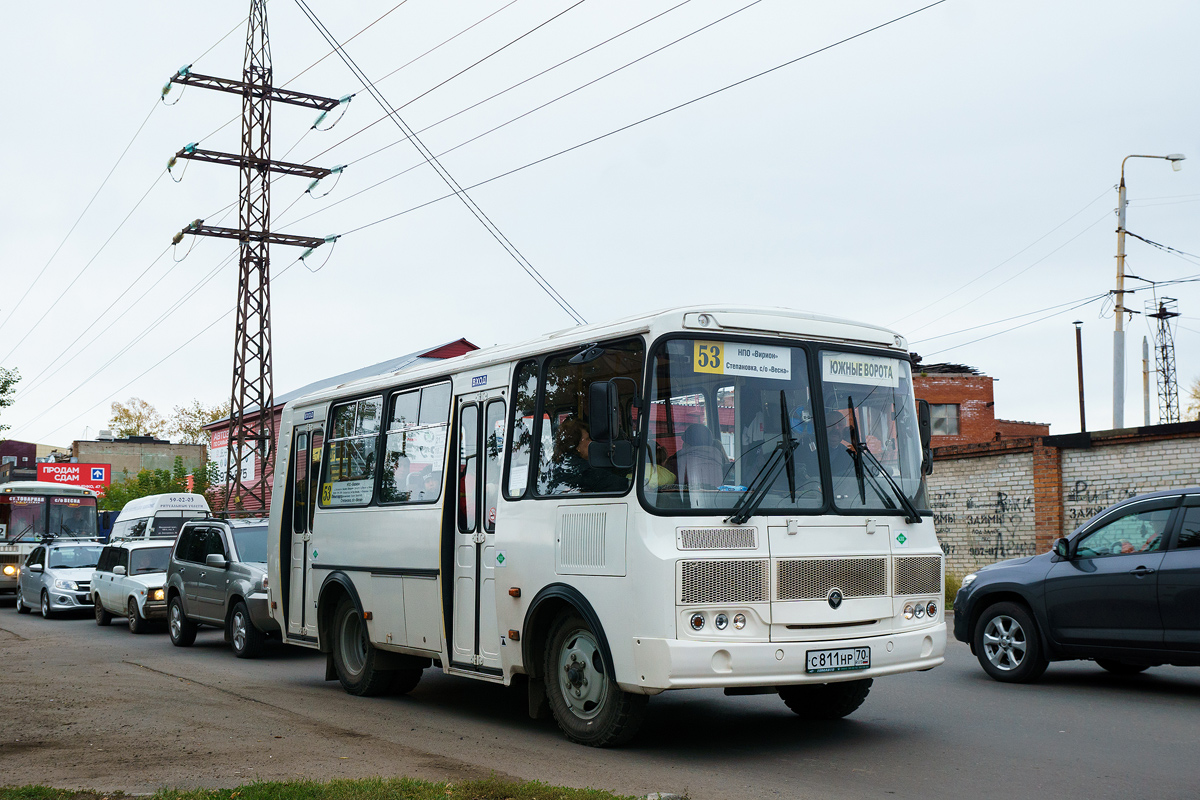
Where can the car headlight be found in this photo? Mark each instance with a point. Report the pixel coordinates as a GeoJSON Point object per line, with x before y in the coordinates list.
{"type": "Point", "coordinates": [59, 583]}
{"type": "Point", "coordinates": [10, 570]}
{"type": "Point", "coordinates": [156, 594]}
{"type": "Point", "coordinates": [968, 579]}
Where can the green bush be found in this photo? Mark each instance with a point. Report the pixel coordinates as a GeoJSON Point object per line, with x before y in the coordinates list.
{"type": "Point", "coordinates": [953, 584]}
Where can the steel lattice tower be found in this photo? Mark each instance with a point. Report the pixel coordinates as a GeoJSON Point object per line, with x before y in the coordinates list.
{"type": "Point", "coordinates": [1164, 357]}
{"type": "Point", "coordinates": [252, 397]}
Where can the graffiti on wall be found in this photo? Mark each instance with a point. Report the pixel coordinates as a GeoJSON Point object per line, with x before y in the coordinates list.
{"type": "Point", "coordinates": [984, 526]}
{"type": "Point", "coordinates": [1087, 499]}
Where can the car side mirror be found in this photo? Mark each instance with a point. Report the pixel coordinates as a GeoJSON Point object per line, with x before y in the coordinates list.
{"type": "Point", "coordinates": [35, 567]}
{"type": "Point", "coordinates": [118, 570]}
{"type": "Point", "coordinates": [216, 561]}
{"type": "Point", "coordinates": [1062, 548]}
{"type": "Point", "coordinates": [925, 430]}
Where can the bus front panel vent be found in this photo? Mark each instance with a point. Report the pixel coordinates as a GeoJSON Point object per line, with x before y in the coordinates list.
{"type": "Point", "coordinates": [732, 581]}
{"type": "Point", "coordinates": [731, 538]}
{"type": "Point", "coordinates": [919, 575]}
{"type": "Point", "coordinates": [814, 578]}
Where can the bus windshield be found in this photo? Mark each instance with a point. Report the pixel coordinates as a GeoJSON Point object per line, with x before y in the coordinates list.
{"type": "Point", "coordinates": [732, 427]}
{"type": "Point", "coordinates": [72, 516]}
{"type": "Point", "coordinates": [22, 517]}
{"type": "Point", "coordinates": [722, 415]}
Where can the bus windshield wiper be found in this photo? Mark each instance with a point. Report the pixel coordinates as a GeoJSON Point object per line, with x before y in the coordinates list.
{"type": "Point", "coordinates": [782, 456]}
{"type": "Point", "coordinates": [861, 453]}
{"type": "Point", "coordinates": [911, 515]}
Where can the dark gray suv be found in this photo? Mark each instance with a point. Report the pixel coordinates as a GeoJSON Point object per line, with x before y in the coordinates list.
{"type": "Point", "coordinates": [217, 576]}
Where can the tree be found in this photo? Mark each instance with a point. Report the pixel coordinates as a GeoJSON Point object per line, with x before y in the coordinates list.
{"type": "Point", "coordinates": [135, 417]}
{"type": "Point", "coordinates": [158, 481]}
{"type": "Point", "coordinates": [1193, 395]}
{"type": "Point", "coordinates": [187, 422]}
{"type": "Point", "coordinates": [8, 380]}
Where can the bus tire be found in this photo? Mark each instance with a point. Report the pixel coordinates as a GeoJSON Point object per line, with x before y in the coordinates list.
{"type": "Point", "coordinates": [406, 680]}
{"type": "Point", "coordinates": [354, 658]}
{"type": "Point", "coordinates": [181, 629]}
{"type": "Point", "coordinates": [586, 702]}
{"type": "Point", "coordinates": [826, 701]}
{"type": "Point", "coordinates": [102, 616]}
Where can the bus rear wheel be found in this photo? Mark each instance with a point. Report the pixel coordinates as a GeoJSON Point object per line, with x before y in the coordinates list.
{"type": "Point", "coordinates": [586, 702]}
{"type": "Point", "coordinates": [354, 658]}
{"type": "Point", "coordinates": [825, 701]}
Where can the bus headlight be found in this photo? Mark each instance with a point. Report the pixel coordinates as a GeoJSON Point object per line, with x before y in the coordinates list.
{"type": "Point", "coordinates": [10, 570]}
{"type": "Point", "coordinates": [932, 608]}
{"type": "Point", "coordinates": [919, 611]}
{"type": "Point", "coordinates": [697, 622]}
{"type": "Point", "coordinates": [909, 610]}
{"type": "Point", "coordinates": [59, 583]}
{"type": "Point", "coordinates": [722, 622]}
{"type": "Point", "coordinates": [739, 621]}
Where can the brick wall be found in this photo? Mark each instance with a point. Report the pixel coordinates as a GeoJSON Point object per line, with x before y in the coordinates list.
{"type": "Point", "coordinates": [1012, 498]}
{"type": "Point", "coordinates": [977, 421]}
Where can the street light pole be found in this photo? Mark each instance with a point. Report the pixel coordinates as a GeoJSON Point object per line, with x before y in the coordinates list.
{"type": "Point", "coordinates": [1079, 365]}
{"type": "Point", "coordinates": [1119, 293]}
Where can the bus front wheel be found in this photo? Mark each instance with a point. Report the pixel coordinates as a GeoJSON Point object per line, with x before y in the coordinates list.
{"type": "Point", "coordinates": [586, 702]}
{"type": "Point", "coordinates": [824, 701]}
{"type": "Point", "coordinates": [354, 657]}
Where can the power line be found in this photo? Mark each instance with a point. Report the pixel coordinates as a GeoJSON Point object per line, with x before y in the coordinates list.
{"type": "Point", "coordinates": [1002, 263]}
{"type": "Point", "coordinates": [1017, 327]}
{"type": "Point", "coordinates": [1091, 298]}
{"type": "Point", "coordinates": [1163, 247]}
{"type": "Point", "coordinates": [471, 205]}
{"type": "Point", "coordinates": [654, 116]}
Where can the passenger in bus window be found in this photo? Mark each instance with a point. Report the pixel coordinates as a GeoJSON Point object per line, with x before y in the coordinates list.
{"type": "Point", "coordinates": [570, 470]}
{"type": "Point", "coordinates": [701, 462]}
{"type": "Point", "coordinates": [656, 473]}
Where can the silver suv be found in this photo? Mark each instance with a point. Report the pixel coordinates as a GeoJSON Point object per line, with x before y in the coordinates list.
{"type": "Point", "coordinates": [217, 576]}
{"type": "Point", "coordinates": [130, 582]}
{"type": "Point", "coordinates": [57, 576]}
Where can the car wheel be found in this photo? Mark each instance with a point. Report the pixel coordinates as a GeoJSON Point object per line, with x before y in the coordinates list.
{"type": "Point", "coordinates": [102, 617]}
{"type": "Point", "coordinates": [585, 700]}
{"type": "Point", "coordinates": [1121, 668]}
{"type": "Point", "coordinates": [355, 659]}
{"type": "Point", "coordinates": [137, 623]}
{"type": "Point", "coordinates": [1007, 644]}
{"type": "Point", "coordinates": [406, 680]}
{"type": "Point", "coordinates": [181, 629]}
{"type": "Point", "coordinates": [246, 639]}
{"type": "Point", "coordinates": [46, 612]}
{"type": "Point", "coordinates": [21, 607]}
{"type": "Point", "coordinates": [825, 701]}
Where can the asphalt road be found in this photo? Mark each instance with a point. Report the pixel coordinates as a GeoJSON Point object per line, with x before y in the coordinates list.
{"type": "Point", "coordinates": [87, 707]}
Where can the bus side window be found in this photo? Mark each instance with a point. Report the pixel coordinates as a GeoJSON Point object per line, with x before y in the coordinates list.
{"type": "Point", "coordinates": [493, 449]}
{"type": "Point", "coordinates": [314, 474]}
{"type": "Point", "coordinates": [468, 467]}
{"type": "Point", "coordinates": [349, 473]}
{"type": "Point", "coordinates": [521, 433]}
{"type": "Point", "coordinates": [300, 507]}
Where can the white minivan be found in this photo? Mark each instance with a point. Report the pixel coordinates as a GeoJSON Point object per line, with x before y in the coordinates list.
{"type": "Point", "coordinates": [158, 515]}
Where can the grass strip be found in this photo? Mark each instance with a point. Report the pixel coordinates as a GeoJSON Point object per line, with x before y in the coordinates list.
{"type": "Point", "coordinates": [366, 789]}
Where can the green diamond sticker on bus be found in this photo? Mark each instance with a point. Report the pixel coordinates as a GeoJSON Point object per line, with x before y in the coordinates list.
{"type": "Point", "coordinates": [901, 538]}
{"type": "Point", "coordinates": [500, 558]}
{"type": "Point", "coordinates": [314, 553]}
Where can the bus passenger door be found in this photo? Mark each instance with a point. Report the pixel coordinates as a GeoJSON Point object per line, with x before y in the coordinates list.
{"type": "Point", "coordinates": [475, 641]}
{"type": "Point", "coordinates": [306, 455]}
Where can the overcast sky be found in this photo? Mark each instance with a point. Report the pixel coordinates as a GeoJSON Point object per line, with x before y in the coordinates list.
{"type": "Point", "coordinates": [871, 181]}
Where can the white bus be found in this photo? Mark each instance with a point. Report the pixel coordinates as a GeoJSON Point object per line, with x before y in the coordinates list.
{"type": "Point", "coordinates": [32, 510]}
{"type": "Point", "coordinates": [703, 497]}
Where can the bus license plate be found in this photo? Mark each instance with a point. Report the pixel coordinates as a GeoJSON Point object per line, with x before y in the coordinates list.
{"type": "Point", "coordinates": [845, 658]}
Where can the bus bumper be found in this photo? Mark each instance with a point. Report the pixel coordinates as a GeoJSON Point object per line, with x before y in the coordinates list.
{"type": "Point", "coordinates": [684, 664]}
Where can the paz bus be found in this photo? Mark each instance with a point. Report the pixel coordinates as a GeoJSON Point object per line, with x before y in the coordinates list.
{"type": "Point", "coordinates": [722, 497]}
{"type": "Point", "coordinates": [33, 510]}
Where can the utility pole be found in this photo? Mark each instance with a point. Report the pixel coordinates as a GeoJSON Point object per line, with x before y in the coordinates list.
{"type": "Point", "coordinates": [1146, 380]}
{"type": "Point", "coordinates": [1079, 364]}
{"type": "Point", "coordinates": [1164, 358]}
{"type": "Point", "coordinates": [1119, 309]}
{"type": "Point", "coordinates": [252, 390]}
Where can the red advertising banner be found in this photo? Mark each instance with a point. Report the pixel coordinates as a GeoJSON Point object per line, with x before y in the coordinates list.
{"type": "Point", "coordinates": [96, 477]}
{"type": "Point", "coordinates": [220, 438]}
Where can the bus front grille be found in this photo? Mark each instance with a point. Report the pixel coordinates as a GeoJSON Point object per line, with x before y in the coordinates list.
{"type": "Point", "coordinates": [919, 575]}
{"type": "Point", "coordinates": [718, 538]}
{"type": "Point", "coordinates": [734, 581]}
{"type": "Point", "coordinates": [814, 578]}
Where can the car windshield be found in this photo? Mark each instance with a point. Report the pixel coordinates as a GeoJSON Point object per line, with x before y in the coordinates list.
{"type": "Point", "coordinates": [149, 559]}
{"type": "Point", "coordinates": [872, 432]}
{"type": "Point", "coordinates": [77, 557]}
{"type": "Point", "coordinates": [251, 543]}
{"type": "Point", "coordinates": [731, 425]}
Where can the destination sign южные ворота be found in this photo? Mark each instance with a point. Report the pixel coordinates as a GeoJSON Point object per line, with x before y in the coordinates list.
{"type": "Point", "coordinates": [861, 369]}
{"type": "Point", "coordinates": [736, 358]}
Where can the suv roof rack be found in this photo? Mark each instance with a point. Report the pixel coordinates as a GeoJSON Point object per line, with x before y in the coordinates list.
{"type": "Point", "coordinates": [49, 538]}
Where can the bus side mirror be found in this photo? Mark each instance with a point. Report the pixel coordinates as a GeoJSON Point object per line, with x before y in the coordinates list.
{"type": "Point", "coordinates": [925, 430]}
{"type": "Point", "coordinates": [604, 409]}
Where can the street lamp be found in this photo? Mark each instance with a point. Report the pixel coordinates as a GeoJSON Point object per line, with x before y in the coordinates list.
{"type": "Point", "coordinates": [1175, 160]}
